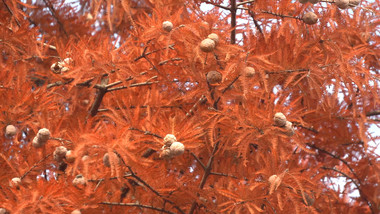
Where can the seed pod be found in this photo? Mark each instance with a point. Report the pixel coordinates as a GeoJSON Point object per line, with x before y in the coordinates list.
{"type": "Point", "coordinates": [167, 26]}
{"type": "Point", "coordinates": [165, 153]}
{"type": "Point", "coordinates": [79, 180]}
{"type": "Point", "coordinates": [313, 1]}
{"type": "Point", "coordinates": [59, 153]}
{"type": "Point", "coordinates": [342, 4]}
{"type": "Point", "coordinates": [43, 135]}
{"type": "Point", "coordinates": [36, 144]}
{"type": "Point", "coordinates": [249, 71]}
{"type": "Point", "coordinates": [214, 77]}
{"type": "Point", "coordinates": [15, 182]}
{"type": "Point", "coordinates": [354, 3]}
{"type": "Point", "coordinates": [70, 157]}
{"type": "Point", "coordinates": [169, 139]}
{"type": "Point", "coordinates": [10, 131]}
{"type": "Point", "coordinates": [303, 1]}
{"type": "Point", "coordinates": [279, 119]}
{"type": "Point", "coordinates": [214, 37]}
{"type": "Point", "coordinates": [76, 212]}
{"type": "Point", "coordinates": [207, 45]}
{"type": "Point", "coordinates": [3, 211]}
{"type": "Point", "coordinates": [56, 67]}
{"type": "Point", "coordinates": [289, 129]}
{"type": "Point", "coordinates": [310, 18]}
{"type": "Point", "coordinates": [177, 148]}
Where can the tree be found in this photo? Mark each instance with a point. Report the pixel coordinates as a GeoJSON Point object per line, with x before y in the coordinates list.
{"type": "Point", "coordinates": [161, 107]}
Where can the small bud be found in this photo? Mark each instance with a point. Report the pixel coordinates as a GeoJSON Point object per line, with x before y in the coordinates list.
{"type": "Point", "coordinates": [214, 77]}
{"type": "Point", "coordinates": [279, 119]}
{"type": "Point", "coordinates": [10, 131]}
{"type": "Point", "coordinates": [207, 45]}
{"type": "Point", "coordinates": [167, 26]}
{"type": "Point", "coordinates": [310, 18]}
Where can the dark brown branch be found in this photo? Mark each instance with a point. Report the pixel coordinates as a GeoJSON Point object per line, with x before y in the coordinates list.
{"type": "Point", "coordinates": [344, 174]}
{"type": "Point", "coordinates": [144, 54]}
{"type": "Point", "coordinates": [257, 25]}
{"type": "Point", "coordinates": [34, 166]}
{"type": "Point", "coordinates": [287, 71]}
{"type": "Point", "coordinates": [305, 127]}
{"type": "Point", "coordinates": [133, 174]}
{"type": "Point", "coordinates": [136, 205]}
{"type": "Point", "coordinates": [280, 15]}
{"type": "Point", "coordinates": [217, 5]}
{"type": "Point", "coordinates": [145, 132]}
{"type": "Point", "coordinates": [373, 113]}
{"type": "Point", "coordinates": [11, 12]}
{"type": "Point", "coordinates": [233, 21]}
{"type": "Point", "coordinates": [224, 91]}
{"type": "Point", "coordinates": [350, 168]}
{"type": "Point", "coordinates": [198, 160]}
{"type": "Point", "coordinates": [54, 14]}
{"type": "Point", "coordinates": [222, 174]}
{"type": "Point", "coordinates": [206, 174]}
{"type": "Point", "coordinates": [169, 60]}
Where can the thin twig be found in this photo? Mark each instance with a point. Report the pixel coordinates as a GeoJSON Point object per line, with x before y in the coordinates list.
{"type": "Point", "coordinates": [34, 166]}
{"type": "Point", "coordinates": [217, 5]}
{"type": "Point", "coordinates": [54, 14]}
{"type": "Point", "coordinates": [222, 174]}
{"type": "Point", "coordinates": [133, 174]}
{"type": "Point", "coordinates": [136, 205]}
{"type": "Point", "coordinates": [198, 160]}
{"type": "Point", "coordinates": [11, 12]}
{"type": "Point", "coordinates": [224, 91]}
{"type": "Point", "coordinates": [257, 25]}
{"type": "Point", "coordinates": [280, 15]}
{"type": "Point", "coordinates": [145, 132]}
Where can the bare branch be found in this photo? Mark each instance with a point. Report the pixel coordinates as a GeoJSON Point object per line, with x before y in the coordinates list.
{"type": "Point", "coordinates": [136, 205]}
{"type": "Point", "coordinates": [34, 166]}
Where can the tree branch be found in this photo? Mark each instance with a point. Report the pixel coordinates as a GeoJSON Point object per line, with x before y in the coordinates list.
{"type": "Point", "coordinates": [34, 166]}
{"type": "Point", "coordinates": [136, 205]}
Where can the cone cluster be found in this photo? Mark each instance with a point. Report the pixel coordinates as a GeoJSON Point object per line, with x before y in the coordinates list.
{"type": "Point", "coordinates": [171, 147]}
{"type": "Point", "coordinates": [280, 121]}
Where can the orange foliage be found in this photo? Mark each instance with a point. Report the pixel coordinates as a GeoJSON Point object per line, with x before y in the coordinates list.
{"type": "Point", "coordinates": [110, 83]}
